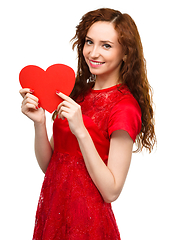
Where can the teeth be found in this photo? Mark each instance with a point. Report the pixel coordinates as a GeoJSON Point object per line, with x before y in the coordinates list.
{"type": "Point", "coordinates": [96, 63]}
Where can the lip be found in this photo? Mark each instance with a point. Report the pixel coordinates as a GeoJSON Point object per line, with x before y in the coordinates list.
{"type": "Point", "coordinates": [95, 64]}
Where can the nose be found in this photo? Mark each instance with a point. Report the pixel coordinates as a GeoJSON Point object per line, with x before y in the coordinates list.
{"type": "Point", "coordinates": [94, 52]}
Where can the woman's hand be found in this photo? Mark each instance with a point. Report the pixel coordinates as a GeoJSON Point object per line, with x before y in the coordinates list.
{"type": "Point", "coordinates": [30, 106]}
{"type": "Point", "coordinates": [70, 110]}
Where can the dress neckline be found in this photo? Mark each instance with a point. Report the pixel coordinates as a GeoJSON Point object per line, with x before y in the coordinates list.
{"type": "Point", "coordinates": [106, 89]}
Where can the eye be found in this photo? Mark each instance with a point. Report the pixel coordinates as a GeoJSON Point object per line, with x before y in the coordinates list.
{"type": "Point", "coordinates": [107, 46]}
{"type": "Point", "coordinates": [88, 42]}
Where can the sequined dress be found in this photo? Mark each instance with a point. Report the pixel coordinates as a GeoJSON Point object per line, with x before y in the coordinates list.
{"type": "Point", "coordinates": [70, 206]}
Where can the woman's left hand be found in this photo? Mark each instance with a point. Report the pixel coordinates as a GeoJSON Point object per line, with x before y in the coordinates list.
{"type": "Point", "coordinates": [70, 110]}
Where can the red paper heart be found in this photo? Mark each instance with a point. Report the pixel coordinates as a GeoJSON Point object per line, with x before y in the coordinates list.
{"type": "Point", "coordinates": [57, 77]}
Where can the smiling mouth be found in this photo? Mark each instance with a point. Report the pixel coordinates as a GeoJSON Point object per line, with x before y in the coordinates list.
{"type": "Point", "coordinates": [95, 63]}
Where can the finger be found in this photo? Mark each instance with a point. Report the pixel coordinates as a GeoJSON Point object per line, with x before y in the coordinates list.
{"type": "Point", "coordinates": [66, 104]}
{"type": "Point", "coordinates": [63, 110]}
{"type": "Point", "coordinates": [30, 101]}
{"type": "Point", "coordinates": [24, 91]}
{"type": "Point", "coordinates": [65, 97]}
{"type": "Point", "coordinates": [31, 96]}
{"type": "Point", "coordinates": [64, 115]}
{"type": "Point", "coordinates": [28, 107]}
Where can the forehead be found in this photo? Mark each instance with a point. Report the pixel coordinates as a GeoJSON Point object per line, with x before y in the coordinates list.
{"type": "Point", "coordinates": [103, 31]}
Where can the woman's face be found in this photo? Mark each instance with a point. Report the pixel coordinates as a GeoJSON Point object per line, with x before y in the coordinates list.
{"type": "Point", "coordinates": [102, 51]}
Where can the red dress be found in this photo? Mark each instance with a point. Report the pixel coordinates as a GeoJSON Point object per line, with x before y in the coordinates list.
{"type": "Point", "coordinates": [70, 206]}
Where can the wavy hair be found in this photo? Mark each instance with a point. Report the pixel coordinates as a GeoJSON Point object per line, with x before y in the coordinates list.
{"type": "Point", "coordinates": [133, 71]}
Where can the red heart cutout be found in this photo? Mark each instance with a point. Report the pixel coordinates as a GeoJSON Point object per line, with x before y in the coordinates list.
{"type": "Point", "coordinates": [58, 77]}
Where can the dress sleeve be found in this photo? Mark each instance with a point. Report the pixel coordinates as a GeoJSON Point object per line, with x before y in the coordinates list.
{"type": "Point", "coordinates": [126, 115]}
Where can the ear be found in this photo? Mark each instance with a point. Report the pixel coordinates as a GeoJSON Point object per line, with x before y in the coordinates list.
{"type": "Point", "coordinates": [124, 58]}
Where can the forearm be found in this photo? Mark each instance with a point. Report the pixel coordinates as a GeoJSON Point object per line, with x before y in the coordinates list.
{"type": "Point", "coordinates": [98, 171]}
{"type": "Point", "coordinates": [43, 150]}
{"type": "Point", "coordinates": [108, 179]}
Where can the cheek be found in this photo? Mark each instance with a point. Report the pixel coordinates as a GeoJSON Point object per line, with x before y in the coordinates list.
{"type": "Point", "coordinates": [115, 57]}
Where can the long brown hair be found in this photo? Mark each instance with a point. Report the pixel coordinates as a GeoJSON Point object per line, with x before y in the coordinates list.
{"type": "Point", "coordinates": [133, 70]}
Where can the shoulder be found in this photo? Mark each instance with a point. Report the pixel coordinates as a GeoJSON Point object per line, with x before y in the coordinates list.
{"type": "Point", "coordinates": [126, 115]}
{"type": "Point", "coordinates": [126, 101]}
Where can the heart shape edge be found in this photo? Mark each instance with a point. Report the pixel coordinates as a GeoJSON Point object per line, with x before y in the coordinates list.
{"type": "Point", "coordinates": [57, 77]}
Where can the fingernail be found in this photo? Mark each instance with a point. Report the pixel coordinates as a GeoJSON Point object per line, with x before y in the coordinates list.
{"type": "Point", "coordinates": [31, 91]}
{"type": "Point", "coordinates": [57, 92]}
{"type": "Point", "coordinates": [37, 107]}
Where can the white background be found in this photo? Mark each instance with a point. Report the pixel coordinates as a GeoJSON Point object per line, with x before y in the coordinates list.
{"type": "Point", "coordinates": [38, 32]}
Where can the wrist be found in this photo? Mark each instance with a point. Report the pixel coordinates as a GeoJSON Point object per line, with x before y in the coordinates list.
{"type": "Point", "coordinates": [82, 134]}
{"type": "Point", "coordinates": [40, 121]}
{"type": "Point", "coordinates": [39, 124]}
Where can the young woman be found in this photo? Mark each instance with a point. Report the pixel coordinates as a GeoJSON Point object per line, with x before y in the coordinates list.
{"type": "Point", "coordinates": [88, 157]}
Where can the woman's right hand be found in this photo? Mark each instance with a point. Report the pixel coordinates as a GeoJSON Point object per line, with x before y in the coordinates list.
{"type": "Point", "coordinates": [30, 106]}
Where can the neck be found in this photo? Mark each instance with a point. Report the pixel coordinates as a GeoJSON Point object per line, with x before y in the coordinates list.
{"type": "Point", "coordinates": [103, 82]}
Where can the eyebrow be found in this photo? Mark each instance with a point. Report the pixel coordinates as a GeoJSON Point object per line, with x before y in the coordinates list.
{"type": "Point", "coordinates": [105, 41]}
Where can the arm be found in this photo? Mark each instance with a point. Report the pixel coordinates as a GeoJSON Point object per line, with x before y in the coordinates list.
{"type": "Point", "coordinates": [43, 148]}
{"type": "Point", "coordinates": [108, 179]}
